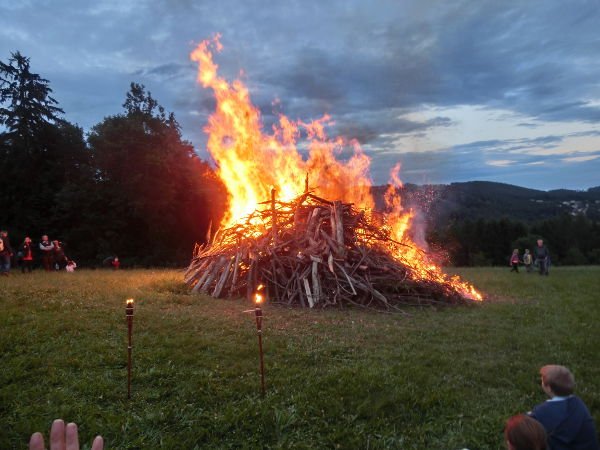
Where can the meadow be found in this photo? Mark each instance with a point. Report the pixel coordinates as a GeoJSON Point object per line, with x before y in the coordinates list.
{"type": "Point", "coordinates": [433, 378]}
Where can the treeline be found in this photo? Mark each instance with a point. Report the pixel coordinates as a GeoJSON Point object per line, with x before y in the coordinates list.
{"type": "Point", "coordinates": [571, 240]}
{"type": "Point", "coordinates": [132, 187]}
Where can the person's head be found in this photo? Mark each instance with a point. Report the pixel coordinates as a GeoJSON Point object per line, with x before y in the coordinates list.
{"type": "Point", "coordinates": [56, 243]}
{"type": "Point", "coordinates": [516, 251]}
{"type": "Point", "coordinates": [3, 233]}
{"type": "Point", "coordinates": [557, 380]}
{"type": "Point", "coordinates": [521, 432]}
{"type": "Point", "coordinates": [116, 258]}
{"type": "Point", "coordinates": [45, 237]}
{"type": "Point", "coordinates": [27, 240]}
{"type": "Point", "coordinates": [526, 250]}
{"type": "Point", "coordinates": [540, 242]}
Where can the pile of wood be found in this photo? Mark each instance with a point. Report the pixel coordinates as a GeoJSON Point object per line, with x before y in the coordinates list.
{"type": "Point", "coordinates": [312, 252]}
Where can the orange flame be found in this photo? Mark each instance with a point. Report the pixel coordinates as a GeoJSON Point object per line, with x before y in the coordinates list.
{"type": "Point", "coordinates": [129, 302]}
{"type": "Point", "coordinates": [252, 161]}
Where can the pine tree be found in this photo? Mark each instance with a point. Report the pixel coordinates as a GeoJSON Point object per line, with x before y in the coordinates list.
{"type": "Point", "coordinates": [26, 105]}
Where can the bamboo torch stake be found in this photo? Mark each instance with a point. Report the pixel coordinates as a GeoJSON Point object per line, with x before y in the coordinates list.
{"type": "Point", "coordinates": [258, 299]}
{"type": "Point", "coordinates": [129, 317]}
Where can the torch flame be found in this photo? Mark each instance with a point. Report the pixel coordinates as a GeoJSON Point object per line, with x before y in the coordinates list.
{"type": "Point", "coordinates": [129, 302]}
{"type": "Point", "coordinates": [251, 162]}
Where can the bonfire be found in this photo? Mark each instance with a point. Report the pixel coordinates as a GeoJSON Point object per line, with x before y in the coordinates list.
{"type": "Point", "coordinates": [314, 244]}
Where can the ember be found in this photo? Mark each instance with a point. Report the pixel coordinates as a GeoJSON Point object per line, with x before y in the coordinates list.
{"type": "Point", "coordinates": [310, 247]}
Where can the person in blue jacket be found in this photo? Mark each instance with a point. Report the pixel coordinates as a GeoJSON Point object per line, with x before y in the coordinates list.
{"type": "Point", "coordinates": [565, 417]}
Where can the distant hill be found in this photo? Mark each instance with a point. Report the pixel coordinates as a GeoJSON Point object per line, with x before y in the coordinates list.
{"type": "Point", "coordinates": [488, 200]}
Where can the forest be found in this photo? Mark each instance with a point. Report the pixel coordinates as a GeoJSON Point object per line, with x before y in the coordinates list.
{"type": "Point", "coordinates": [131, 187]}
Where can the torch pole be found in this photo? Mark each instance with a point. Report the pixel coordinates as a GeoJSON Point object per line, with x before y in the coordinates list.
{"type": "Point", "coordinates": [129, 317]}
{"type": "Point", "coordinates": [258, 313]}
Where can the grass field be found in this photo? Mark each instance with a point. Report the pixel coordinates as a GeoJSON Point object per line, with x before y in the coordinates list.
{"type": "Point", "coordinates": [347, 379]}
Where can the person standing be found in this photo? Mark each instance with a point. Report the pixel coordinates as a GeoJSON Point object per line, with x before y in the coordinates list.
{"type": "Point", "coordinates": [27, 255]}
{"type": "Point", "coordinates": [514, 261]}
{"type": "Point", "coordinates": [47, 249]}
{"type": "Point", "coordinates": [60, 260]}
{"type": "Point", "coordinates": [6, 253]}
{"type": "Point", "coordinates": [541, 257]}
{"type": "Point", "coordinates": [527, 260]}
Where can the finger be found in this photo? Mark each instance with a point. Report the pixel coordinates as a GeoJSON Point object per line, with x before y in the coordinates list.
{"type": "Point", "coordinates": [57, 435]}
{"type": "Point", "coordinates": [98, 443]}
{"type": "Point", "coordinates": [72, 437]}
{"type": "Point", "coordinates": [36, 442]}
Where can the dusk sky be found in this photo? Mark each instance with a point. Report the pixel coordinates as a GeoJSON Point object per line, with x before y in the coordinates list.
{"type": "Point", "coordinates": [505, 91]}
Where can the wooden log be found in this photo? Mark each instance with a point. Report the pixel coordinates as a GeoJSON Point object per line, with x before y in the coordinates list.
{"type": "Point", "coordinates": [299, 291]}
{"type": "Point", "coordinates": [195, 270]}
{"type": "Point", "coordinates": [273, 217]}
{"type": "Point", "coordinates": [236, 268]}
{"type": "Point", "coordinates": [225, 274]}
{"type": "Point", "coordinates": [347, 277]}
{"type": "Point", "coordinates": [339, 227]}
{"type": "Point", "coordinates": [316, 291]}
{"type": "Point", "coordinates": [251, 280]}
{"type": "Point", "coordinates": [216, 266]}
{"type": "Point", "coordinates": [310, 226]}
{"type": "Point", "coordinates": [309, 296]}
{"type": "Point", "coordinates": [207, 271]}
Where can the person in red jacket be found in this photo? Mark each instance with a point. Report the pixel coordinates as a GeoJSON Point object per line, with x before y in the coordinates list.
{"type": "Point", "coordinates": [514, 261]}
{"type": "Point", "coordinates": [27, 252]}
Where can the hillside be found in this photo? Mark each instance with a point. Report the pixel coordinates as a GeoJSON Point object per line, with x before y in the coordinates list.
{"type": "Point", "coordinates": [488, 200]}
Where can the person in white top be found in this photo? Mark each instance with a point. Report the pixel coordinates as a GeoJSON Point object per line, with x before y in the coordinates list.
{"type": "Point", "coordinates": [70, 267]}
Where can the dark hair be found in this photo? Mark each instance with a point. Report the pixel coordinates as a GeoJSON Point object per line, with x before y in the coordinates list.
{"type": "Point", "coordinates": [524, 433]}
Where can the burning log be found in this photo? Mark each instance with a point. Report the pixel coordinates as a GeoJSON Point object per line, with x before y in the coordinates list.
{"type": "Point", "coordinates": [312, 252]}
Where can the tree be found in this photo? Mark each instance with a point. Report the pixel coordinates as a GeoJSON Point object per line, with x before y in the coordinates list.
{"type": "Point", "coordinates": [158, 196]}
{"type": "Point", "coordinates": [39, 151]}
{"type": "Point", "coordinates": [26, 95]}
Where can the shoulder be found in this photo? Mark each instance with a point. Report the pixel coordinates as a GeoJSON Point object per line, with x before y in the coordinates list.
{"type": "Point", "coordinates": [576, 402]}
{"type": "Point", "coordinates": [546, 409]}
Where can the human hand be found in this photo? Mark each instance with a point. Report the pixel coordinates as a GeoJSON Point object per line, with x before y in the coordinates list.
{"type": "Point", "coordinates": [62, 438]}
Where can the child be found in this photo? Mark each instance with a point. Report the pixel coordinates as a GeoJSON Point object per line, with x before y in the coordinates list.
{"type": "Point", "coordinates": [514, 261]}
{"type": "Point", "coordinates": [27, 252]}
{"type": "Point", "coordinates": [565, 417]}
{"type": "Point", "coordinates": [528, 260]}
{"type": "Point", "coordinates": [70, 267]}
{"type": "Point", "coordinates": [524, 433]}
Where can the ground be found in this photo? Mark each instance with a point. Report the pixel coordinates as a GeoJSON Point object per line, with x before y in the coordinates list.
{"type": "Point", "coordinates": [351, 379]}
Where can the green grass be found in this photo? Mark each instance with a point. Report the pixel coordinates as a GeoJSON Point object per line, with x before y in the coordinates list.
{"type": "Point", "coordinates": [348, 379]}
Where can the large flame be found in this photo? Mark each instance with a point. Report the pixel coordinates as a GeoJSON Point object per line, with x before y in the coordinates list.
{"type": "Point", "coordinates": [251, 162]}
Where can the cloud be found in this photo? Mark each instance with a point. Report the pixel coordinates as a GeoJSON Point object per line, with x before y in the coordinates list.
{"type": "Point", "coordinates": [165, 72]}
{"type": "Point", "coordinates": [373, 66]}
{"type": "Point", "coordinates": [579, 159]}
{"type": "Point", "coordinates": [500, 162]}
